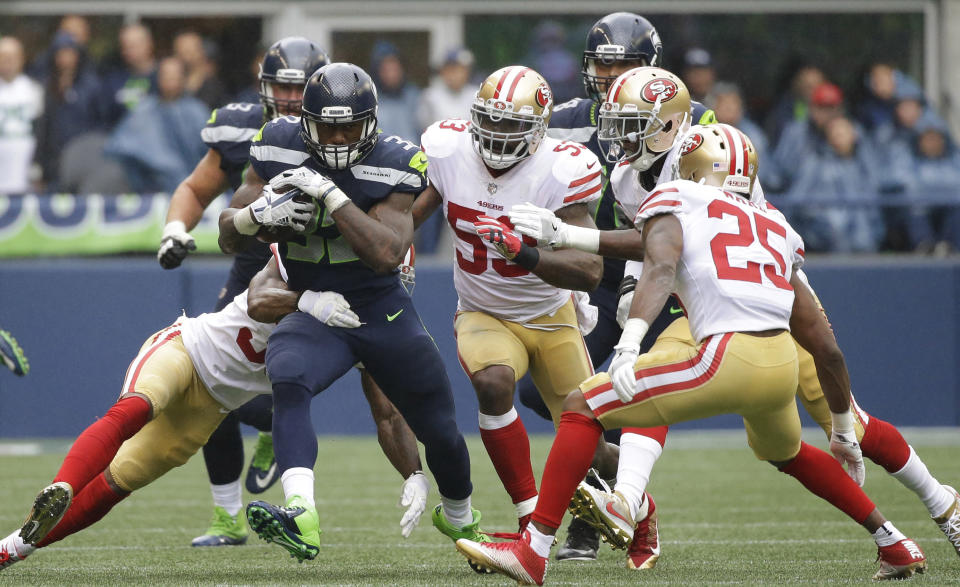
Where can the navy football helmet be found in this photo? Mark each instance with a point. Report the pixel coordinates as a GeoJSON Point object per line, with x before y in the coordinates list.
{"type": "Point", "coordinates": [621, 36]}
{"type": "Point", "coordinates": [289, 61]}
{"type": "Point", "coordinates": [339, 104]}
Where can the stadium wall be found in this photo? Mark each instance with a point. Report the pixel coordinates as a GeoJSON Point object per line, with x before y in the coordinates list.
{"type": "Point", "coordinates": [82, 320]}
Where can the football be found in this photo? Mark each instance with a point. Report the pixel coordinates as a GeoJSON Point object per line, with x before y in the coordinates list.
{"type": "Point", "coordinates": [275, 234]}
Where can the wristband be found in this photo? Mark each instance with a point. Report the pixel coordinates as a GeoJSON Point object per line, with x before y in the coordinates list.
{"type": "Point", "coordinates": [173, 227]}
{"type": "Point", "coordinates": [634, 331]}
{"type": "Point", "coordinates": [528, 257]}
{"type": "Point", "coordinates": [580, 238]}
{"type": "Point", "coordinates": [244, 222]}
{"type": "Point", "coordinates": [842, 423]}
{"type": "Point", "coordinates": [334, 198]}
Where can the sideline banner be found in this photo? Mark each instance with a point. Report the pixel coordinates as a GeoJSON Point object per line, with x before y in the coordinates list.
{"type": "Point", "coordinates": [65, 224]}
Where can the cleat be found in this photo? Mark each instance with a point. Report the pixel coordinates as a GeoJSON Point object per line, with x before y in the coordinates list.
{"type": "Point", "coordinates": [949, 522]}
{"type": "Point", "coordinates": [644, 551]}
{"type": "Point", "coordinates": [900, 561]}
{"type": "Point", "coordinates": [263, 471]}
{"type": "Point", "coordinates": [607, 512]}
{"type": "Point", "coordinates": [224, 530]}
{"type": "Point", "coordinates": [470, 532]}
{"type": "Point", "coordinates": [581, 543]}
{"type": "Point", "coordinates": [12, 355]}
{"type": "Point", "coordinates": [48, 509]}
{"type": "Point", "coordinates": [516, 559]}
{"type": "Point", "coordinates": [9, 553]}
{"type": "Point", "coordinates": [296, 527]}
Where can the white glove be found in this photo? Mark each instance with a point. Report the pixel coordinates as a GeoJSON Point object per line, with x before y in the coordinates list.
{"type": "Point", "coordinates": [276, 210]}
{"type": "Point", "coordinates": [621, 371]}
{"type": "Point", "coordinates": [312, 183]}
{"type": "Point", "coordinates": [175, 244]}
{"type": "Point", "coordinates": [413, 496]}
{"type": "Point", "coordinates": [328, 307]}
{"type": "Point", "coordinates": [623, 308]}
{"type": "Point", "coordinates": [538, 223]}
{"type": "Point", "coordinates": [844, 446]}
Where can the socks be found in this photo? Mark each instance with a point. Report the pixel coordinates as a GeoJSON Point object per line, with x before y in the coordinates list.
{"type": "Point", "coordinates": [223, 452]}
{"type": "Point", "coordinates": [915, 477]}
{"type": "Point", "coordinates": [824, 477]}
{"type": "Point", "coordinates": [457, 511]}
{"type": "Point", "coordinates": [638, 454]}
{"type": "Point", "coordinates": [887, 535]}
{"type": "Point", "coordinates": [506, 441]}
{"type": "Point", "coordinates": [568, 462]}
{"type": "Point", "coordinates": [228, 496]}
{"type": "Point", "coordinates": [883, 444]}
{"type": "Point", "coordinates": [296, 481]}
{"type": "Point", "coordinates": [540, 542]}
{"type": "Point", "coordinates": [96, 446]}
{"type": "Point", "coordinates": [88, 506]}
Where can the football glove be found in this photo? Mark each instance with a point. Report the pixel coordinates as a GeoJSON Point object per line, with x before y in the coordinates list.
{"type": "Point", "coordinates": [413, 496]}
{"type": "Point", "coordinates": [276, 210]}
{"type": "Point", "coordinates": [328, 307]}
{"type": "Point", "coordinates": [538, 223]}
{"type": "Point", "coordinates": [622, 375]}
{"type": "Point", "coordinates": [499, 236]}
{"type": "Point", "coordinates": [314, 184]}
{"type": "Point", "coordinates": [625, 300]}
{"type": "Point", "coordinates": [175, 244]}
{"type": "Point", "coordinates": [844, 446]}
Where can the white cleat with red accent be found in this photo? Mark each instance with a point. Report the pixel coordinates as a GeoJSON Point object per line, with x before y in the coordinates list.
{"type": "Point", "coordinates": [644, 551]}
{"type": "Point", "coordinates": [515, 559]}
{"type": "Point", "coordinates": [608, 513]}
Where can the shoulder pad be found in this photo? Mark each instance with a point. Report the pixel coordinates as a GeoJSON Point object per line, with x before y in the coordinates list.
{"type": "Point", "coordinates": [442, 137]}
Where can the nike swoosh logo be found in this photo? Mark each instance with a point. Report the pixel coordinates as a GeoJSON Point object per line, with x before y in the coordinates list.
{"type": "Point", "coordinates": [615, 513]}
{"type": "Point", "coordinates": [591, 165]}
{"type": "Point", "coordinates": [391, 318]}
{"type": "Point", "coordinates": [262, 482]}
{"type": "Point", "coordinates": [676, 310]}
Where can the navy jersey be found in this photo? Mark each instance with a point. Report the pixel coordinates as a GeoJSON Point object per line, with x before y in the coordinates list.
{"type": "Point", "coordinates": [229, 132]}
{"type": "Point", "coordinates": [576, 120]}
{"type": "Point", "coordinates": [323, 260]}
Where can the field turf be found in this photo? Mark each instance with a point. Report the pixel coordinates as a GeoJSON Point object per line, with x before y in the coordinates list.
{"type": "Point", "coordinates": [725, 518]}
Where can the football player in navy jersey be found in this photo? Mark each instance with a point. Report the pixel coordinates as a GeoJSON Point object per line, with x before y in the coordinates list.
{"type": "Point", "coordinates": [615, 44]}
{"type": "Point", "coordinates": [283, 73]}
{"type": "Point", "coordinates": [339, 198]}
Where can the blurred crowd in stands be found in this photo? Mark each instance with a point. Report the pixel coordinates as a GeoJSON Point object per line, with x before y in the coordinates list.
{"type": "Point", "coordinates": [872, 170]}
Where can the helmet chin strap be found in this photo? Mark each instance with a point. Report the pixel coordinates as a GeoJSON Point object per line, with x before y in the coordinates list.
{"type": "Point", "coordinates": [646, 159]}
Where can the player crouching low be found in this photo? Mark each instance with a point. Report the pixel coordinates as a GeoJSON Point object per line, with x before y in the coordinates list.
{"type": "Point", "coordinates": [743, 303]}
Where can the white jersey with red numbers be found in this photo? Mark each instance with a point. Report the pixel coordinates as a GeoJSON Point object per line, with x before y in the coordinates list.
{"type": "Point", "coordinates": [738, 257]}
{"type": "Point", "coordinates": [228, 349]}
{"type": "Point", "coordinates": [559, 174]}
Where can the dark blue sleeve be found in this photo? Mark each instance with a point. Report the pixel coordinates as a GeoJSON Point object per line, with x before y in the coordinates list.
{"type": "Point", "coordinates": [230, 130]}
{"type": "Point", "coordinates": [406, 158]}
{"type": "Point", "coordinates": [277, 147]}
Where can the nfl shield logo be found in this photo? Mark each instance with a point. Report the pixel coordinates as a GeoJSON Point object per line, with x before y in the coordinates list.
{"type": "Point", "coordinates": [492, 188]}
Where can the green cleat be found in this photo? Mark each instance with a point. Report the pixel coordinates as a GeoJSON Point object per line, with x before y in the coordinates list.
{"type": "Point", "coordinates": [471, 531]}
{"type": "Point", "coordinates": [12, 355]}
{"type": "Point", "coordinates": [263, 471]}
{"type": "Point", "coordinates": [295, 527]}
{"type": "Point", "coordinates": [224, 530]}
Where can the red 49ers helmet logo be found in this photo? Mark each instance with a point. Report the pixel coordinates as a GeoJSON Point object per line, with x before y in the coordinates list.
{"type": "Point", "coordinates": [543, 97]}
{"type": "Point", "coordinates": [691, 143]}
{"type": "Point", "coordinates": [662, 87]}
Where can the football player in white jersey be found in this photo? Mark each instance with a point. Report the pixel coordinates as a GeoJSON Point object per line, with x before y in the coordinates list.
{"type": "Point", "coordinates": [516, 311]}
{"type": "Point", "coordinates": [182, 383]}
{"type": "Point", "coordinates": [733, 265]}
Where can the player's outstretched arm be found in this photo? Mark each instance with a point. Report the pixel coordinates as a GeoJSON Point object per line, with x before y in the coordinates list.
{"type": "Point", "coordinates": [571, 268]}
{"type": "Point", "coordinates": [551, 229]}
{"type": "Point", "coordinates": [425, 205]}
{"type": "Point", "coordinates": [231, 239]}
{"type": "Point", "coordinates": [189, 200]}
{"type": "Point", "coordinates": [269, 298]}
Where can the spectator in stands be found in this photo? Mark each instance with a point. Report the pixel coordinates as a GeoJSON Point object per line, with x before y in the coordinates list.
{"type": "Point", "coordinates": [699, 75]}
{"type": "Point", "coordinates": [251, 93]}
{"type": "Point", "coordinates": [833, 199]}
{"type": "Point", "coordinates": [21, 102]}
{"type": "Point", "coordinates": [792, 106]}
{"type": "Point", "coordinates": [451, 93]}
{"type": "Point", "coordinates": [74, 25]}
{"type": "Point", "coordinates": [729, 108]}
{"type": "Point", "coordinates": [125, 86]}
{"type": "Point", "coordinates": [200, 56]}
{"type": "Point", "coordinates": [158, 143]}
{"type": "Point", "coordinates": [936, 168]}
{"type": "Point", "coordinates": [72, 104]}
{"type": "Point", "coordinates": [875, 107]}
{"type": "Point", "coordinates": [800, 138]}
{"type": "Point", "coordinates": [549, 56]}
{"type": "Point", "coordinates": [398, 98]}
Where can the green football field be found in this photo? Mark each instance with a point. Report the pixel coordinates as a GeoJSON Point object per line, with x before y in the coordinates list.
{"type": "Point", "coordinates": [724, 518]}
